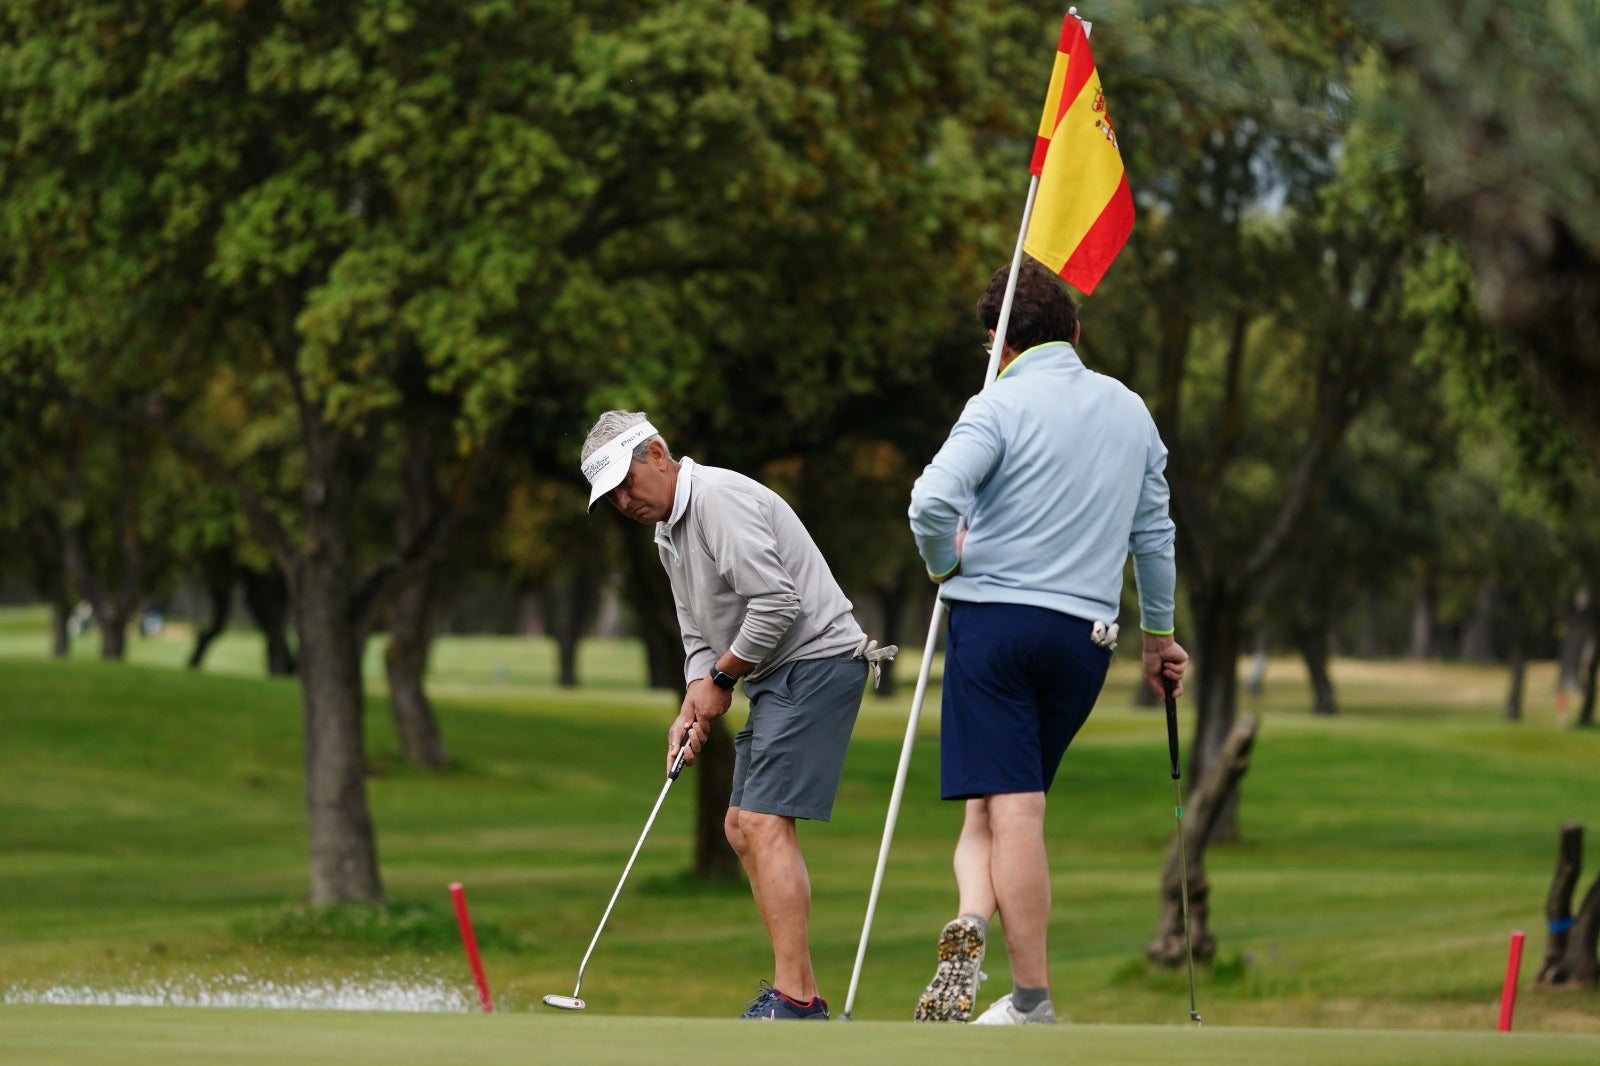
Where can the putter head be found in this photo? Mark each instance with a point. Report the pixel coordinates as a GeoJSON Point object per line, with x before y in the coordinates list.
{"type": "Point", "coordinates": [564, 1002]}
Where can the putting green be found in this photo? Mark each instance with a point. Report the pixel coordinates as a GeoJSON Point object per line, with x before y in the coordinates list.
{"type": "Point", "coordinates": [88, 1036]}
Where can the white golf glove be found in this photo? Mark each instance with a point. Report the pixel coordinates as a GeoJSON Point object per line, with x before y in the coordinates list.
{"type": "Point", "coordinates": [876, 657]}
{"type": "Point", "coordinates": [1104, 636]}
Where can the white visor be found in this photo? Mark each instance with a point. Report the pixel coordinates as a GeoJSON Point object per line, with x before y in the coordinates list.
{"type": "Point", "coordinates": [609, 463]}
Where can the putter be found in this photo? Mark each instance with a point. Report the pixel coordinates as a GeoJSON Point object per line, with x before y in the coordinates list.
{"type": "Point", "coordinates": [1183, 858]}
{"type": "Point", "coordinates": [574, 1002]}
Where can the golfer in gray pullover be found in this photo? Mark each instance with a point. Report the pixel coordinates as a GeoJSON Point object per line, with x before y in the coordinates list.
{"type": "Point", "coordinates": [756, 602]}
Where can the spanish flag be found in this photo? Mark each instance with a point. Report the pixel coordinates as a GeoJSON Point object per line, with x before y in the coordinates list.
{"type": "Point", "coordinates": [1083, 211]}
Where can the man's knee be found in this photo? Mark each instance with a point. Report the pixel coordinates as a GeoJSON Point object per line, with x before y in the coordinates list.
{"type": "Point", "coordinates": [762, 831]}
{"type": "Point", "coordinates": [735, 835]}
{"type": "Point", "coordinates": [1016, 812]}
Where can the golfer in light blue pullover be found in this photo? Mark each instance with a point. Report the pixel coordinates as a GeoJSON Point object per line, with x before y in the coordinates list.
{"type": "Point", "coordinates": [1052, 476]}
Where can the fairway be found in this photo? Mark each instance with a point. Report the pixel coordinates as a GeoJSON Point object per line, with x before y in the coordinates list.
{"type": "Point", "coordinates": [79, 1036]}
{"type": "Point", "coordinates": [153, 833]}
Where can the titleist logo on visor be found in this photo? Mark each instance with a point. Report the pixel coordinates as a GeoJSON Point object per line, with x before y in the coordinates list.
{"type": "Point", "coordinates": [617, 450]}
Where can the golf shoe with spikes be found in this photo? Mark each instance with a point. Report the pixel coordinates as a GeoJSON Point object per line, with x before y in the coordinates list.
{"type": "Point", "coordinates": [953, 992]}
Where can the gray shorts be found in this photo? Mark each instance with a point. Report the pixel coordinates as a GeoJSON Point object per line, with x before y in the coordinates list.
{"type": "Point", "coordinates": [790, 754]}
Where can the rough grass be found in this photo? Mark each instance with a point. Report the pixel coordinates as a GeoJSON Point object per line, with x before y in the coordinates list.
{"type": "Point", "coordinates": [153, 834]}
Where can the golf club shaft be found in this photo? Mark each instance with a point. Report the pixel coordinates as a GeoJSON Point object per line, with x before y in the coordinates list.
{"type": "Point", "coordinates": [1183, 857]}
{"type": "Point", "coordinates": [672, 775]}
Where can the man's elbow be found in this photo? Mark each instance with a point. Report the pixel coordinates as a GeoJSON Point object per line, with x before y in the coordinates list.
{"type": "Point", "coordinates": [928, 514]}
{"type": "Point", "coordinates": [777, 613]}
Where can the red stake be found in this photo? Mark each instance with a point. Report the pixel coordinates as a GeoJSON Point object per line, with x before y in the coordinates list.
{"type": "Point", "coordinates": [1508, 994]}
{"type": "Point", "coordinates": [459, 894]}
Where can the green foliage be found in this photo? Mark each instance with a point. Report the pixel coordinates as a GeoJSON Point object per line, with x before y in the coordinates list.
{"type": "Point", "coordinates": [281, 230]}
{"type": "Point", "coordinates": [1485, 380]}
{"type": "Point", "coordinates": [1521, 69]}
{"type": "Point", "coordinates": [1495, 102]}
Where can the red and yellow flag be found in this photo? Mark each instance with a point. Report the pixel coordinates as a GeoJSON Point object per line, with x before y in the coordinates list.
{"type": "Point", "coordinates": [1083, 211]}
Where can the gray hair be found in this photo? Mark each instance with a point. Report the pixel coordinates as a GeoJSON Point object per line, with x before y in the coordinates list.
{"type": "Point", "coordinates": [614, 424]}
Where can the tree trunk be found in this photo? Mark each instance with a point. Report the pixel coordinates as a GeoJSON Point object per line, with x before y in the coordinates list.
{"type": "Point", "coordinates": [113, 621]}
{"type": "Point", "coordinates": [124, 602]}
{"type": "Point", "coordinates": [1477, 640]}
{"type": "Point", "coordinates": [405, 663]}
{"type": "Point", "coordinates": [567, 661]}
{"type": "Point", "coordinates": [343, 846]}
{"type": "Point", "coordinates": [1422, 641]}
{"type": "Point", "coordinates": [1592, 675]}
{"type": "Point", "coordinates": [60, 634]}
{"type": "Point", "coordinates": [1558, 905]}
{"type": "Point", "coordinates": [217, 571]}
{"type": "Point", "coordinates": [266, 595]}
{"type": "Point", "coordinates": [411, 609]}
{"type": "Point", "coordinates": [893, 595]}
{"type": "Point", "coordinates": [1583, 965]}
{"type": "Point", "coordinates": [1206, 805]}
{"type": "Point", "coordinates": [1371, 639]}
{"type": "Point", "coordinates": [112, 588]}
{"type": "Point", "coordinates": [1570, 959]}
{"type": "Point", "coordinates": [714, 857]}
{"type": "Point", "coordinates": [1516, 641]}
{"type": "Point", "coordinates": [1589, 670]}
{"type": "Point", "coordinates": [110, 612]}
{"type": "Point", "coordinates": [570, 601]}
{"type": "Point", "coordinates": [50, 580]}
{"type": "Point", "coordinates": [1519, 673]}
{"type": "Point", "coordinates": [1218, 640]}
{"type": "Point", "coordinates": [1314, 650]}
{"type": "Point", "coordinates": [663, 658]}
{"type": "Point", "coordinates": [1577, 632]}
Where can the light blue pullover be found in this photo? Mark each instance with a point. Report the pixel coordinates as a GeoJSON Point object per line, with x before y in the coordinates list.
{"type": "Point", "coordinates": [1058, 472]}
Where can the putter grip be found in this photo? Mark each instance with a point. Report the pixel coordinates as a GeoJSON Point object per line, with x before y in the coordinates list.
{"type": "Point", "coordinates": [1172, 725]}
{"type": "Point", "coordinates": [677, 764]}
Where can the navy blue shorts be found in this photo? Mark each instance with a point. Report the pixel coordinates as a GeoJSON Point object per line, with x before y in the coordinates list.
{"type": "Point", "coordinates": [1019, 682]}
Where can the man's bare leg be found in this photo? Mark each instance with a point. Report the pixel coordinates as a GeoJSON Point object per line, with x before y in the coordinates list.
{"type": "Point", "coordinates": [769, 848]}
{"type": "Point", "coordinates": [1019, 873]}
{"type": "Point", "coordinates": [972, 861]}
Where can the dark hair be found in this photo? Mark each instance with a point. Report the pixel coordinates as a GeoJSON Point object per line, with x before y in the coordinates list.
{"type": "Point", "coordinates": [1042, 309]}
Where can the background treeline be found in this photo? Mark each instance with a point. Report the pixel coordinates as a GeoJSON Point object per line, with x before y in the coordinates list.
{"type": "Point", "coordinates": [316, 301]}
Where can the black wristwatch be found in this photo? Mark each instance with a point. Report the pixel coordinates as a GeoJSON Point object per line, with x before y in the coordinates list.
{"type": "Point", "coordinates": [723, 681]}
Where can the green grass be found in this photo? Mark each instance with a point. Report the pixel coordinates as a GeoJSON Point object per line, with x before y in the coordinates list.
{"type": "Point", "coordinates": [59, 1036]}
{"type": "Point", "coordinates": [152, 837]}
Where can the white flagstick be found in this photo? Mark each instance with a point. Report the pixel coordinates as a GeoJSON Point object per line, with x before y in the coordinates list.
{"type": "Point", "coordinates": [990, 374]}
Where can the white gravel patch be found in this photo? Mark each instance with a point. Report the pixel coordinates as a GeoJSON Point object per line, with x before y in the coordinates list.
{"type": "Point", "coordinates": [424, 997]}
